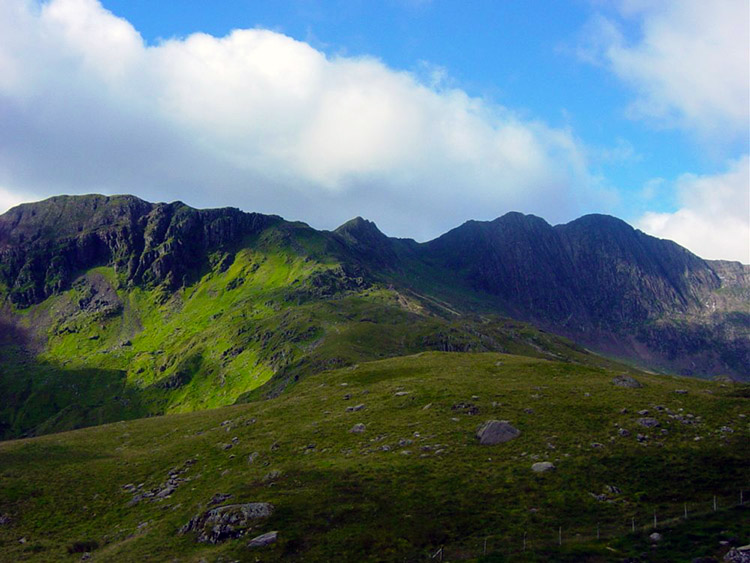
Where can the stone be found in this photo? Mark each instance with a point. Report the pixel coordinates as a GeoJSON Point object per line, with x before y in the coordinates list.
{"type": "Point", "coordinates": [272, 475]}
{"type": "Point", "coordinates": [5, 520]}
{"type": "Point", "coordinates": [626, 381]}
{"type": "Point", "coordinates": [263, 540]}
{"type": "Point", "coordinates": [648, 422]}
{"type": "Point", "coordinates": [218, 498]}
{"type": "Point", "coordinates": [543, 467]}
{"type": "Point", "coordinates": [252, 457]}
{"type": "Point", "coordinates": [496, 432]}
{"type": "Point", "coordinates": [357, 428]}
{"type": "Point", "coordinates": [738, 554]}
{"type": "Point", "coordinates": [355, 408]}
{"type": "Point", "coordinates": [400, 393]}
{"type": "Point", "coordinates": [623, 432]}
{"type": "Point", "coordinates": [226, 522]}
{"type": "Point", "coordinates": [655, 537]}
{"type": "Point", "coordinates": [466, 408]}
{"type": "Point", "coordinates": [681, 391]}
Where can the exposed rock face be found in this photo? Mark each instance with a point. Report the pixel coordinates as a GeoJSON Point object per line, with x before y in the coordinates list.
{"type": "Point", "coordinates": [496, 432]}
{"type": "Point", "coordinates": [226, 522]}
{"type": "Point", "coordinates": [42, 245]}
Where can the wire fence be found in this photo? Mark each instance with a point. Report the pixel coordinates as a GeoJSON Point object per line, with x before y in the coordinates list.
{"type": "Point", "coordinates": [642, 521]}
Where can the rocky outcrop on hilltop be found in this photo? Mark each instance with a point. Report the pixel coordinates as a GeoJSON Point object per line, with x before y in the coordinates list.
{"type": "Point", "coordinates": [44, 245]}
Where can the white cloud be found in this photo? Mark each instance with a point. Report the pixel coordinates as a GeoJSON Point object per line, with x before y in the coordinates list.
{"type": "Point", "coordinates": [689, 65]}
{"type": "Point", "coordinates": [10, 199]}
{"type": "Point", "coordinates": [713, 220]}
{"type": "Point", "coordinates": [259, 120]}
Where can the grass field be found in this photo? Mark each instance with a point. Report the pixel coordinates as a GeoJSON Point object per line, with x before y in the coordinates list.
{"type": "Point", "coordinates": [416, 479]}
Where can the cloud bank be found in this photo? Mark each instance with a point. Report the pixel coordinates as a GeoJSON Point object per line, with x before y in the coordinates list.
{"type": "Point", "coordinates": [714, 215]}
{"type": "Point", "coordinates": [690, 69]}
{"type": "Point", "coordinates": [264, 122]}
{"type": "Point", "coordinates": [689, 65]}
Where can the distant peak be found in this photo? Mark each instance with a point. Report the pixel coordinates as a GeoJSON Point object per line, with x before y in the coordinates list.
{"type": "Point", "coordinates": [358, 226]}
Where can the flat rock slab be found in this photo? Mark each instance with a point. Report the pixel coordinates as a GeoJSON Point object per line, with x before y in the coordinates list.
{"type": "Point", "coordinates": [496, 432]}
{"type": "Point", "coordinates": [627, 381]}
{"type": "Point", "coordinates": [226, 522]}
{"type": "Point", "coordinates": [263, 539]}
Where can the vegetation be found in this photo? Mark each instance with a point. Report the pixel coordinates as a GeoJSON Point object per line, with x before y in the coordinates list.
{"type": "Point", "coordinates": [414, 480]}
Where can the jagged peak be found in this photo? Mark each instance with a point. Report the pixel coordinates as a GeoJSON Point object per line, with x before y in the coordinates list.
{"type": "Point", "coordinates": [359, 228]}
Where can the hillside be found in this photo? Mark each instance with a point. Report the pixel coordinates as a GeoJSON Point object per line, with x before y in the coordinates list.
{"type": "Point", "coordinates": [380, 462]}
{"type": "Point", "coordinates": [116, 308]}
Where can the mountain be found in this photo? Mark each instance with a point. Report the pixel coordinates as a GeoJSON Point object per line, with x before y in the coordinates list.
{"type": "Point", "coordinates": [114, 308]}
{"type": "Point", "coordinates": [613, 288]}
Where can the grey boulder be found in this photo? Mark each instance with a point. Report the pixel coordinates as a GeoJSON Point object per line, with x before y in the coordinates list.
{"type": "Point", "coordinates": [496, 432]}
{"type": "Point", "coordinates": [626, 381]}
{"type": "Point", "coordinates": [263, 539]}
{"type": "Point", "coordinates": [543, 467]}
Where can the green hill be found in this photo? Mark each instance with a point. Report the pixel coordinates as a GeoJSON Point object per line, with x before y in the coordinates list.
{"type": "Point", "coordinates": [414, 479]}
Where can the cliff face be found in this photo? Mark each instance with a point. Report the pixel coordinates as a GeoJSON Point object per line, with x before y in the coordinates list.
{"type": "Point", "coordinates": [609, 286]}
{"type": "Point", "coordinates": [594, 272]}
{"type": "Point", "coordinates": [44, 245]}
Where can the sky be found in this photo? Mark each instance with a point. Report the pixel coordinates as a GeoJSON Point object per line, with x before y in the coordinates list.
{"type": "Point", "coordinates": [416, 114]}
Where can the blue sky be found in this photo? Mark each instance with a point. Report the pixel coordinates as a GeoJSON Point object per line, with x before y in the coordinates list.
{"type": "Point", "coordinates": [417, 114]}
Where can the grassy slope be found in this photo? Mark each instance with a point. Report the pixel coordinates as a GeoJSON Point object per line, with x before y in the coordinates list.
{"type": "Point", "coordinates": [275, 307]}
{"type": "Point", "coordinates": [339, 496]}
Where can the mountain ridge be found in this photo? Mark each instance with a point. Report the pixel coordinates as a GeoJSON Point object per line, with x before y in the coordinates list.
{"type": "Point", "coordinates": [177, 309]}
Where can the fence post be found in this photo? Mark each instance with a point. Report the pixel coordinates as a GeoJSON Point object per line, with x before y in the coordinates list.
{"type": "Point", "coordinates": [685, 511]}
{"type": "Point", "coordinates": [632, 520]}
{"type": "Point", "coordinates": [714, 503]}
{"type": "Point", "coordinates": [654, 518]}
{"type": "Point", "coordinates": [559, 536]}
{"type": "Point", "coordinates": [485, 547]}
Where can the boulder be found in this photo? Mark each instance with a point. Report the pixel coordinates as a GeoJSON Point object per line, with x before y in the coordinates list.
{"type": "Point", "coordinates": [655, 537]}
{"type": "Point", "coordinates": [543, 467]}
{"type": "Point", "coordinates": [648, 422]}
{"type": "Point", "coordinates": [358, 428]}
{"type": "Point", "coordinates": [738, 554]}
{"type": "Point", "coordinates": [626, 381]}
{"type": "Point", "coordinates": [226, 522]}
{"type": "Point", "coordinates": [263, 540]}
{"type": "Point", "coordinates": [355, 408]}
{"type": "Point", "coordinates": [496, 432]}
